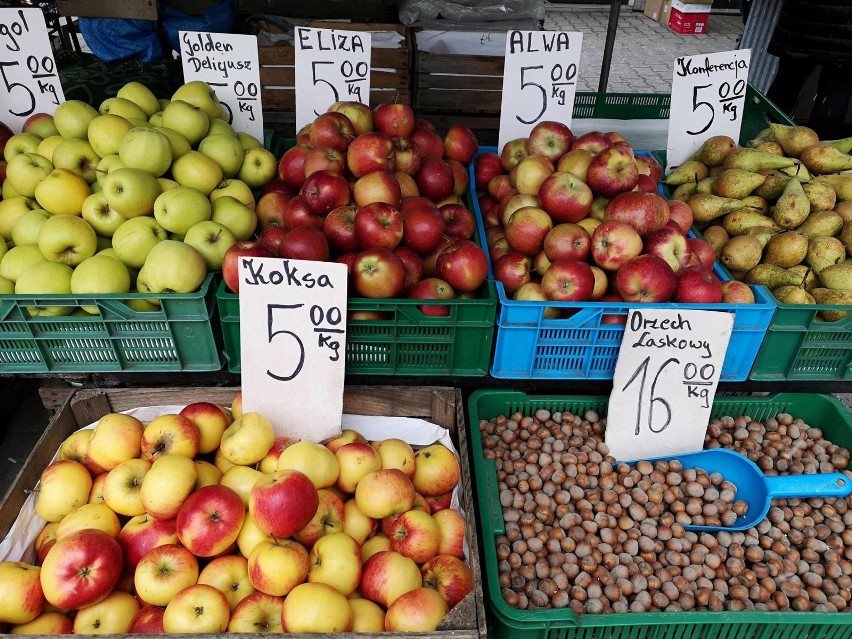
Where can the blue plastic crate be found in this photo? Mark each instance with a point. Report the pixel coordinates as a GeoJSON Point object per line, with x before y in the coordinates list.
{"type": "Point", "coordinates": [583, 346]}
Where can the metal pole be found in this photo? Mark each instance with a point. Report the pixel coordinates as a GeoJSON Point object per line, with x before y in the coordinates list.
{"type": "Point", "coordinates": [611, 28]}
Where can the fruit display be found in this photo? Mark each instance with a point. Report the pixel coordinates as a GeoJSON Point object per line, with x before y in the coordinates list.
{"type": "Point", "coordinates": [381, 192]}
{"type": "Point", "coordinates": [203, 521]}
{"type": "Point", "coordinates": [777, 212]}
{"type": "Point", "coordinates": [138, 196]}
{"type": "Point", "coordinates": [574, 219]}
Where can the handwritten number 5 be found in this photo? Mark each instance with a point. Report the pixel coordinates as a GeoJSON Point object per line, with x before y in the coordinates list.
{"type": "Point", "coordinates": [317, 80]}
{"type": "Point", "coordinates": [270, 321]}
{"type": "Point", "coordinates": [524, 85]}
{"type": "Point", "coordinates": [15, 85]}
{"type": "Point", "coordinates": [696, 104]}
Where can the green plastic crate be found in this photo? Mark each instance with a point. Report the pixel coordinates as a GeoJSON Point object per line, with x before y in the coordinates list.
{"type": "Point", "coordinates": [506, 622]}
{"type": "Point", "coordinates": [178, 337]}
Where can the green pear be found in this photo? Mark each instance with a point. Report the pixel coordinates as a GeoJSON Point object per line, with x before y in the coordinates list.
{"type": "Point", "coordinates": [770, 147]}
{"type": "Point", "coordinates": [786, 249]}
{"type": "Point", "coordinates": [684, 191]}
{"type": "Point", "coordinates": [736, 183]}
{"type": "Point", "coordinates": [772, 276]}
{"type": "Point", "coordinates": [845, 236]}
{"type": "Point", "coordinates": [793, 295]}
{"type": "Point", "coordinates": [793, 139]}
{"type": "Point", "coordinates": [715, 171]}
{"type": "Point", "coordinates": [757, 204]}
{"type": "Point", "coordinates": [806, 273]}
{"type": "Point", "coordinates": [836, 276]}
{"type": "Point", "coordinates": [738, 222]}
{"type": "Point", "coordinates": [706, 185]}
{"type": "Point", "coordinates": [821, 223]}
{"type": "Point", "coordinates": [753, 160]}
{"type": "Point", "coordinates": [842, 185]}
{"type": "Point", "coordinates": [706, 206]}
{"type": "Point", "coordinates": [824, 251]}
{"type": "Point", "coordinates": [822, 158]}
{"type": "Point", "coordinates": [844, 210]}
{"type": "Point", "coordinates": [773, 184]}
{"type": "Point", "coordinates": [741, 253]}
{"type": "Point", "coordinates": [844, 145]}
{"type": "Point", "coordinates": [762, 233]}
{"type": "Point", "coordinates": [689, 171]}
{"type": "Point", "coordinates": [821, 196]}
{"type": "Point", "coordinates": [716, 236]}
{"type": "Point", "coordinates": [715, 149]}
{"type": "Point", "coordinates": [798, 171]}
{"type": "Point", "coordinates": [764, 135]}
{"type": "Point", "coordinates": [793, 207]}
{"type": "Point", "coordinates": [833, 298]}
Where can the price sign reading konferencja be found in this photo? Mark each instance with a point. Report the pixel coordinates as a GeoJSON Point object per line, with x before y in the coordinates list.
{"type": "Point", "coordinates": [665, 380]}
{"type": "Point", "coordinates": [293, 344]}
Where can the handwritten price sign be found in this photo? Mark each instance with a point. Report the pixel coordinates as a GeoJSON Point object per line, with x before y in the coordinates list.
{"type": "Point", "coordinates": [708, 98]}
{"type": "Point", "coordinates": [293, 344]}
{"type": "Point", "coordinates": [30, 80]}
{"type": "Point", "coordinates": [539, 80]}
{"type": "Point", "coordinates": [665, 380]}
{"type": "Point", "coordinates": [331, 66]}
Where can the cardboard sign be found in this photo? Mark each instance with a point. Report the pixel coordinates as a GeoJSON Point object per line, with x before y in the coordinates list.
{"type": "Point", "coordinates": [30, 81]}
{"type": "Point", "coordinates": [228, 63]}
{"type": "Point", "coordinates": [539, 80]}
{"type": "Point", "coordinates": [708, 98]}
{"type": "Point", "coordinates": [665, 380]}
{"type": "Point", "coordinates": [331, 66]}
{"type": "Point", "coordinates": [293, 344]}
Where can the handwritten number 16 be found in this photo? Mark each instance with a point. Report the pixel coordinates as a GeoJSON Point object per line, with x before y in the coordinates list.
{"type": "Point", "coordinates": [642, 373]}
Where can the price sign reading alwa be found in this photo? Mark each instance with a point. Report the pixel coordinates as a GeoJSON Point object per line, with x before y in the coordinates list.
{"type": "Point", "coordinates": [665, 380]}
{"type": "Point", "coordinates": [293, 344]}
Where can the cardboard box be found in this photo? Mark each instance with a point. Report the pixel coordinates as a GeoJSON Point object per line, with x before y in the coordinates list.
{"type": "Point", "coordinates": [685, 18]}
{"type": "Point", "coordinates": [654, 9]}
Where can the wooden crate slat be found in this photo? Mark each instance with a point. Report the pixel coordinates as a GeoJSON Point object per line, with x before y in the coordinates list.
{"type": "Point", "coordinates": [464, 101]}
{"type": "Point", "coordinates": [286, 77]}
{"type": "Point", "coordinates": [464, 64]}
{"type": "Point", "coordinates": [470, 82]}
{"type": "Point", "coordinates": [128, 9]}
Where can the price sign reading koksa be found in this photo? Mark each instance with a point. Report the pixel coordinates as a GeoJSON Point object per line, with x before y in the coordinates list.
{"type": "Point", "coordinates": [331, 66]}
{"type": "Point", "coordinates": [539, 80]}
{"type": "Point", "coordinates": [229, 64]}
{"type": "Point", "coordinates": [665, 380]}
{"type": "Point", "coordinates": [29, 76]}
{"type": "Point", "coordinates": [293, 344]}
{"type": "Point", "coordinates": [708, 98]}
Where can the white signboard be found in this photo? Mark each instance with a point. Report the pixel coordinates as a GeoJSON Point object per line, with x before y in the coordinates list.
{"type": "Point", "coordinates": [228, 63]}
{"type": "Point", "coordinates": [539, 80]}
{"type": "Point", "coordinates": [331, 66]}
{"type": "Point", "coordinates": [708, 98]}
{"type": "Point", "coordinates": [30, 81]}
{"type": "Point", "coordinates": [293, 344]}
{"type": "Point", "coordinates": [665, 380]}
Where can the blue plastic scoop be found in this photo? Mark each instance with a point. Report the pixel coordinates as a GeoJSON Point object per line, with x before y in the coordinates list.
{"type": "Point", "coordinates": [755, 488]}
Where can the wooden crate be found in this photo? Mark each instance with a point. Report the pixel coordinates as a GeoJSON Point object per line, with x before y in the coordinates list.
{"type": "Point", "coordinates": [469, 84]}
{"type": "Point", "coordinates": [439, 405]}
{"type": "Point", "coordinates": [389, 81]}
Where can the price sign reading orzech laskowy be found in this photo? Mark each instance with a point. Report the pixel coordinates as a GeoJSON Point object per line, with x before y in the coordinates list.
{"type": "Point", "coordinates": [293, 344]}
{"type": "Point", "coordinates": [30, 81]}
{"type": "Point", "coordinates": [708, 98]}
{"type": "Point", "coordinates": [331, 66]}
{"type": "Point", "coordinates": [539, 80]}
{"type": "Point", "coordinates": [228, 63]}
{"type": "Point", "coordinates": [665, 380]}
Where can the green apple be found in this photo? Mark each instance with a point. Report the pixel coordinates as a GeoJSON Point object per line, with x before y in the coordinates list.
{"type": "Point", "coordinates": [62, 192]}
{"type": "Point", "coordinates": [237, 189]}
{"type": "Point", "coordinates": [223, 115]}
{"type": "Point", "coordinates": [220, 127]}
{"type": "Point", "coordinates": [176, 236]}
{"type": "Point", "coordinates": [178, 143]}
{"type": "Point", "coordinates": [141, 306]}
{"type": "Point", "coordinates": [26, 229]}
{"type": "Point", "coordinates": [212, 240]}
{"type": "Point", "coordinates": [100, 274]}
{"type": "Point", "coordinates": [72, 119]}
{"type": "Point", "coordinates": [146, 148]}
{"type": "Point", "coordinates": [26, 170]}
{"type": "Point", "coordinates": [166, 184]}
{"type": "Point", "coordinates": [141, 96]}
{"type": "Point", "coordinates": [48, 145]}
{"type": "Point", "coordinates": [138, 122]}
{"type": "Point", "coordinates": [79, 157]}
{"type": "Point", "coordinates": [199, 94]}
{"type": "Point", "coordinates": [174, 267]}
{"type": "Point", "coordinates": [124, 108]}
{"type": "Point", "coordinates": [46, 278]}
{"type": "Point", "coordinates": [67, 239]}
{"type": "Point", "coordinates": [100, 216]}
{"type": "Point", "coordinates": [235, 216]}
{"type": "Point", "coordinates": [18, 259]}
{"type": "Point", "coordinates": [103, 243]}
{"type": "Point", "coordinates": [131, 192]}
{"type": "Point", "coordinates": [7, 192]}
{"type": "Point", "coordinates": [180, 208]}
{"type": "Point", "coordinates": [226, 150]}
{"type": "Point", "coordinates": [198, 171]}
{"type": "Point", "coordinates": [7, 286]}
{"type": "Point", "coordinates": [187, 118]}
{"type": "Point", "coordinates": [96, 187]}
{"type": "Point", "coordinates": [106, 133]}
{"type": "Point", "coordinates": [135, 238]}
{"type": "Point", "coordinates": [249, 141]}
{"type": "Point", "coordinates": [11, 211]}
{"type": "Point", "coordinates": [259, 167]}
{"type": "Point", "coordinates": [164, 102]}
{"type": "Point", "coordinates": [108, 251]}
{"type": "Point", "coordinates": [20, 143]}
{"type": "Point", "coordinates": [107, 165]}
{"type": "Point", "coordinates": [40, 124]}
{"type": "Point", "coordinates": [156, 119]}
{"type": "Point", "coordinates": [4, 248]}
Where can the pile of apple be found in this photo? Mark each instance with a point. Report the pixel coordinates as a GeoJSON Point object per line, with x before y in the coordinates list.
{"type": "Point", "coordinates": [576, 219]}
{"type": "Point", "coordinates": [195, 523]}
{"type": "Point", "coordinates": [140, 195]}
{"type": "Point", "coordinates": [379, 191]}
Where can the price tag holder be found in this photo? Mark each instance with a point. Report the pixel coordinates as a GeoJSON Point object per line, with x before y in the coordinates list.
{"type": "Point", "coordinates": [665, 380]}
{"type": "Point", "coordinates": [539, 80]}
{"type": "Point", "coordinates": [331, 66]}
{"type": "Point", "coordinates": [30, 81]}
{"type": "Point", "coordinates": [293, 344]}
{"type": "Point", "coordinates": [708, 98]}
{"type": "Point", "coordinates": [229, 64]}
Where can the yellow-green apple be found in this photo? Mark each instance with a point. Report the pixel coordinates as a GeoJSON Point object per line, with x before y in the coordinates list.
{"type": "Point", "coordinates": [335, 560]}
{"type": "Point", "coordinates": [241, 479]}
{"type": "Point", "coordinates": [97, 516]}
{"type": "Point", "coordinates": [135, 239]}
{"type": "Point", "coordinates": [282, 504]}
{"type": "Point", "coordinates": [107, 165]}
{"type": "Point", "coordinates": [112, 615]}
{"type": "Point", "coordinates": [64, 486]}
{"type": "Point", "coordinates": [198, 171]}
{"type": "Point", "coordinates": [237, 406]}
{"type": "Point", "coordinates": [197, 609]}
{"type": "Point", "coordinates": [72, 119]}
{"type": "Point", "coordinates": [27, 227]}
{"type": "Point", "coordinates": [315, 607]}
{"type": "Point", "coordinates": [168, 483]}
{"type": "Point", "coordinates": [143, 533]}
{"type": "Point", "coordinates": [148, 621]}
{"type": "Point", "coordinates": [163, 572]}
{"type": "Point", "coordinates": [328, 519]}
{"type": "Point", "coordinates": [177, 142]}
{"type": "Point", "coordinates": [645, 212]}
{"type": "Point", "coordinates": [576, 162]}
{"type": "Point", "coordinates": [420, 610]}
{"type": "Point", "coordinates": [11, 211]}
{"type": "Point", "coordinates": [47, 623]}
{"type": "Point", "coordinates": [250, 536]}
{"type": "Point", "coordinates": [96, 495]}
{"type": "Point", "coordinates": [155, 120]}
{"type": "Point", "coordinates": [122, 487]}
{"type": "Point", "coordinates": [209, 520]}
{"type": "Point", "coordinates": [45, 278]}
{"type": "Point", "coordinates": [218, 126]}
{"type": "Point", "coordinates": [354, 461]}
{"type": "Point", "coordinates": [347, 436]}
{"type": "Point", "coordinates": [67, 239]}
{"type": "Point", "coordinates": [356, 524]}
{"type": "Point", "coordinates": [451, 527]}
{"type": "Point", "coordinates": [269, 463]}
{"type": "Point", "coordinates": [314, 460]}
{"type": "Point", "coordinates": [258, 612]}
{"type": "Point", "coordinates": [646, 278]}
{"type": "Point", "coordinates": [384, 492]}
{"type": "Point", "coordinates": [147, 149]}
{"type": "Point", "coordinates": [367, 616]}
{"type": "Point", "coordinates": [141, 96]}
{"type": "Point", "coordinates": [45, 539]}
{"type": "Point", "coordinates": [247, 440]}
{"type": "Point", "coordinates": [77, 156]}
{"type": "Point", "coordinates": [191, 121]}
{"type": "Point", "coordinates": [449, 576]}
{"type": "Point", "coordinates": [220, 462]}
{"type": "Point", "coordinates": [26, 170]}
{"type": "Point", "coordinates": [7, 287]}
{"type": "Point", "coordinates": [21, 595]}
{"type": "Point", "coordinates": [276, 568]}
{"type": "Point", "coordinates": [601, 283]}
{"type": "Point", "coordinates": [528, 175]}
{"type": "Point", "coordinates": [359, 115]}
{"type": "Point", "coordinates": [199, 94]}
{"type": "Point", "coordinates": [212, 240]}
{"type": "Point", "coordinates": [62, 192]}
{"type": "Point", "coordinates": [170, 434]}
{"type": "Point", "coordinates": [47, 146]}
{"type": "Point", "coordinates": [130, 191]}
{"type": "Point", "coordinates": [74, 446]}
{"type": "Point", "coordinates": [615, 243]}
{"type": "Point", "coordinates": [122, 107]}
{"type": "Point", "coordinates": [670, 245]}
{"type": "Point", "coordinates": [235, 216]}
{"type": "Point", "coordinates": [236, 189]}
{"type": "Point", "coordinates": [116, 438]}
{"type": "Point", "coordinates": [230, 575]}
{"type": "Point", "coordinates": [98, 275]}
{"type": "Point", "coordinates": [19, 144]}
{"type": "Point", "coordinates": [259, 167]}
{"type": "Point", "coordinates": [174, 267]}
{"type": "Point", "coordinates": [208, 474]}
{"type": "Point", "coordinates": [436, 470]}
{"type": "Point", "coordinates": [387, 575]}
{"type": "Point", "coordinates": [415, 534]}
{"type": "Point", "coordinates": [210, 420]}
{"type": "Point", "coordinates": [526, 229]}
{"type": "Point", "coordinates": [226, 150]}
{"type": "Point", "coordinates": [40, 124]}
{"type": "Point", "coordinates": [106, 133]}
{"type": "Point", "coordinates": [375, 544]}
{"type": "Point", "coordinates": [100, 215]}
{"type": "Point", "coordinates": [166, 184]}
{"type": "Point", "coordinates": [81, 569]}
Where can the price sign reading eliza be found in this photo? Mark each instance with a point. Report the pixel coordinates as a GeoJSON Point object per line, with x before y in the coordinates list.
{"type": "Point", "coordinates": [665, 380]}
{"type": "Point", "coordinates": [293, 344]}
{"type": "Point", "coordinates": [539, 80]}
{"type": "Point", "coordinates": [229, 64]}
{"type": "Point", "coordinates": [708, 97]}
{"type": "Point", "coordinates": [331, 66]}
{"type": "Point", "coordinates": [30, 81]}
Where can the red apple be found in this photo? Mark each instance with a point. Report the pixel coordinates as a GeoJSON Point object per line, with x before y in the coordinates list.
{"type": "Point", "coordinates": [461, 178]}
{"type": "Point", "coordinates": [324, 191]}
{"type": "Point", "coordinates": [698, 285]}
{"type": "Point", "coordinates": [142, 534]}
{"type": "Point", "coordinates": [270, 209]}
{"type": "Point", "coordinates": [527, 228]}
{"type": "Point", "coordinates": [486, 166]}
{"type": "Point", "coordinates": [646, 184]}
{"type": "Point", "coordinates": [612, 171]}
{"type": "Point", "coordinates": [432, 288]}
{"type": "Point", "coordinates": [565, 197]}
{"type": "Point", "coordinates": [568, 281]}
{"type": "Point", "coordinates": [415, 534]}
{"type": "Point", "coordinates": [148, 621]}
{"type": "Point", "coordinates": [339, 229]}
{"type": "Point", "coordinates": [430, 259]}
{"type": "Point", "coordinates": [394, 119]}
{"type": "Point", "coordinates": [325, 159]}
{"type": "Point", "coordinates": [513, 152]}
{"type": "Point", "coordinates": [278, 186]}
{"type": "Point", "coordinates": [646, 165]}
{"type": "Point", "coordinates": [209, 520]}
{"type": "Point", "coordinates": [413, 266]}
{"type": "Point", "coordinates": [674, 226]}
{"type": "Point", "coordinates": [594, 141]}
{"type": "Point", "coordinates": [680, 213]}
{"type": "Point", "coordinates": [387, 575]}
{"type": "Point", "coordinates": [406, 155]}
{"type": "Point", "coordinates": [567, 242]}
{"type": "Point", "coordinates": [438, 503]}
{"type": "Point", "coordinates": [459, 221]}
{"type": "Point", "coordinates": [513, 270]}
{"type": "Point", "coordinates": [303, 135]}
{"type": "Point", "coordinates": [348, 260]}
{"type": "Point", "coordinates": [489, 207]}
{"type": "Point", "coordinates": [428, 143]}
{"type": "Point", "coordinates": [500, 186]}
{"type": "Point", "coordinates": [378, 225]}
{"type": "Point", "coordinates": [297, 213]}
{"type": "Point", "coordinates": [512, 203]}
{"type": "Point", "coordinates": [333, 130]}
{"type": "Point", "coordinates": [449, 576]}
{"type": "Point", "coordinates": [460, 144]}
{"type": "Point", "coordinates": [420, 123]}
{"type": "Point", "coordinates": [378, 273]}
{"type": "Point", "coordinates": [328, 519]}
{"type": "Point", "coordinates": [305, 243]}
{"type": "Point", "coordinates": [734, 292]}
{"type": "Point", "coordinates": [646, 278]}
{"type": "Point", "coordinates": [670, 245]}
{"type": "Point", "coordinates": [576, 162]}
{"type": "Point", "coordinates": [237, 251]}
{"type": "Point", "coordinates": [283, 503]}
{"type": "Point", "coordinates": [463, 265]}
{"type": "Point", "coordinates": [703, 250]}
{"type": "Point", "coordinates": [645, 212]}
{"type": "Point", "coordinates": [291, 166]}
{"type": "Point", "coordinates": [379, 186]}
{"type": "Point", "coordinates": [273, 237]}
{"type": "Point", "coordinates": [370, 152]}
{"type": "Point", "coordinates": [422, 228]}
{"type": "Point", "coordinates": [550, 139]}
{"type": "Point", "coordinates": [434, 179]}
